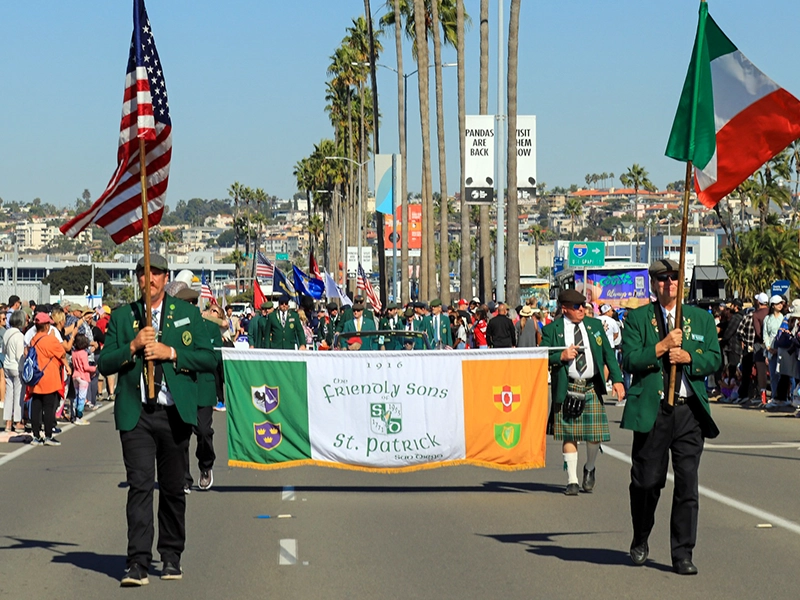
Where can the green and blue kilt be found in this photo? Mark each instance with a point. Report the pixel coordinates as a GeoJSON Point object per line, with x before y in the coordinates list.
{"type": "Point", "coordinates": [590, 426]}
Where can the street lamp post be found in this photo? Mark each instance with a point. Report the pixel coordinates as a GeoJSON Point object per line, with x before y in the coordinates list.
{"type": "Point", "coordinates": [360, 166]}
{"type": "Point", "coordinates": [404, 226]}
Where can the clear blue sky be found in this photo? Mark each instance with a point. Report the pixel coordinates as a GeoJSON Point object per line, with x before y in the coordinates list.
{"type": "Point", "coordinates": [246, 83]}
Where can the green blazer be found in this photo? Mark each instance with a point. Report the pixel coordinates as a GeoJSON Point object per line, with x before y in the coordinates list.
{"type": "Point", "coordinates": [182, 328]}
{"type": "Point", "coordinates": [639, 338]}
{"type": "Point", "coordinates": [206, 380]}
{"type": "Point", "coordinates": [602, 355]}
{"type": "Point", "coordinates": [392, 343]}
{"type": "Point", "coordinates": [445, 333]}
{"type": "Point", "coordinates": [253, 330]}
{"type": "Point", "coordinates": [277, 336]}
{"type": "Point", "coordinates": [367, 324]}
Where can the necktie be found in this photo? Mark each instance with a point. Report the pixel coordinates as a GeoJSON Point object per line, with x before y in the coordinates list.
{"type": "Point", "coordinates": [158, 369]}
{"type": "Point", "coordinates": [670, 323]}
{"type": "Point", "coordinates": [436, 326]}
{"type": "Point", "coordinates": [358, 325]}
{"type": "Point", "coordinates": [283, 319]}
{"type": "Point", "coordinates": [580, 360]}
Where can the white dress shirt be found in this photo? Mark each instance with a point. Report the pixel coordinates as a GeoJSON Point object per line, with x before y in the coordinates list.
{"type": "Point", "coordinates": [569, 340]}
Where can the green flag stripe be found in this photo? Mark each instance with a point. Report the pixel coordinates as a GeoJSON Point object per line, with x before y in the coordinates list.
{"type": "Point", "coordinates": [718, 42]}
{"type": "Point", "coordinates": [693, 135]}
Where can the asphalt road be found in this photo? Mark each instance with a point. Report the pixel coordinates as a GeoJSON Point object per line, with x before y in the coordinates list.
{"type": "Point", "coordinates": [446, 533]}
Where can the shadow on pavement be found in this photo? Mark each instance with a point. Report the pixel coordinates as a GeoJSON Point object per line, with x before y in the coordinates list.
{"type": "Point", "coordinates": [490, 486]}
{"type": "Point", "coordinates": [106, 564]}
{"type": "Point", "coordinates": [110, 565]}
{"type": "Point", "coordinates": [596, 556]}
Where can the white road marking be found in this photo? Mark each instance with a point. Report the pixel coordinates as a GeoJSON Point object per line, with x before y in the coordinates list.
{"type": "Point", "coordinates": [288, 493]}
{"type": "Point", "coordinates": [772, 446]}
{"type": "Point", "coordinates": [721, 498]}
{"type": "Point", "coordinates": [288, 552]}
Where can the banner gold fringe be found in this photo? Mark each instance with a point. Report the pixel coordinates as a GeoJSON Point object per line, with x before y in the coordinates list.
{"type": "Point", "coordinates": [384, 470]}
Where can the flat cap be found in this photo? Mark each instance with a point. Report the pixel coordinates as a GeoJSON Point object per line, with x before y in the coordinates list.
{"type": "Point", "coordinates": [156, 262]}
{"type": "Point", "coordinates": [391, 306]}
{"type": "Point", "coordinates": [358, 306]}
{"type": "Point", "coordinates": [266, 305]}
{"type": "Point", "coordinates": [283, 300]}
{"type": "Point", "coordinates": [571, 297]}
{"type": "Point", "coordinates": [436, 302]}
{"type": "Point", "coordinates": [332, 306]}
{"type": "Point", "coordinates": [663, 265]}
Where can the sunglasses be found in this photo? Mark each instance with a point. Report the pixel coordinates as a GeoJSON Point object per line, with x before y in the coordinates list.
{"type": "Point", "coordinates": [577, 306]}
{"type": "Point", "coordinates": [667, 277]}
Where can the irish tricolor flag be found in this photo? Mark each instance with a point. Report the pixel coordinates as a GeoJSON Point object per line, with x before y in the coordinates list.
{"type": "Point", "coordinates": [731, 118]}
{"type": "Point", "coordinates": [386, 411]}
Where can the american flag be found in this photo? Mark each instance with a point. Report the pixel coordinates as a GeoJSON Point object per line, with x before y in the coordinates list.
{"type": "Point", "coordinates": [362, 283]}
{"type": "Point", "coordinates": [264, 268]}
{"type": "Point", "coordinates": [205, 290]}
{"type": "Point", "coordinates": [145, 115]}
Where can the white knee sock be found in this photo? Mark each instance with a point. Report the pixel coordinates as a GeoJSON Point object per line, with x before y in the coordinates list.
{"type": "Point", "coordinates": [571, 467]}
{"type": "Point", "coordinates": [592, 448]}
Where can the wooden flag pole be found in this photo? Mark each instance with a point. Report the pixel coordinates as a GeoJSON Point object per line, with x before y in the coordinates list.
{"type": "Point", "coordinates": [681, 270]}
{"type": "Point", "coordinates": [148, 305]}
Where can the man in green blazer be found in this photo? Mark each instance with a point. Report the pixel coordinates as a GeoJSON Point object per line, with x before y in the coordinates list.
{"type": "Point", "coordinates": [208, 394]}
{"type": "Point", "coordinates": [360, 322]}
{"type": "Point", "coordinates": [578, 376]}
{"type": "Point", "coordinates": [155, 430]}
{"type": "Point", "coordinates": [439, 333]}
{"type": "Point", "coordinates": [392, 322]}
{"type": "Point", "coordinates": [651, 344]}
{"type": "Point", "coordinates": [284, 331]}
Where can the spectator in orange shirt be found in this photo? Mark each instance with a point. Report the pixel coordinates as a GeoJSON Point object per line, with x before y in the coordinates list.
{"type": "Point", "coordinates": [51, 356]}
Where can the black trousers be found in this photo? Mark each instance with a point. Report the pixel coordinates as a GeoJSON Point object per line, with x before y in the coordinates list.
{"type": "Point", "coordinates": [157, 445]}
{"type": "Point", "coordinates": [204, 431]}
{"type": "Point", "coordinates": [43, 406]}
{"type": "Point", "coordinates": [680, 434]}
{"type": "Point", "coordinates": [747, 375]}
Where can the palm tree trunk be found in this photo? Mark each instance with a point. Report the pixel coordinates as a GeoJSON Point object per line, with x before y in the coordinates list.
{"type": "Point", "coordinates": [485, 288]}
{"type": "Point", "coordinates": [512, 214]}
{"type": "Point", "coordinates": [401, 126]}
{"type": "Point", "coordinates": [362, 152]}
{"type": "Point", "coordinates": [444, 238]}
{"type": "Point", "coordinates": [428, 254]}
{"type": "Point", "coordinates": [466, 259]}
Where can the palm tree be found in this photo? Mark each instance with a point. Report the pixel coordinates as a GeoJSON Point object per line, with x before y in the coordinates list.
{"type": "Point", "coordinates": [536, 233]}
{"type": "Point", "coordinates": [235, 192]}
{"type": "Point", "coordinates": [427, 273]}
{"type": "Point", "coordinates": [512, 214]}
{"type": "Point", "coordinates": [444, 241]}
{"type": "Point", "coordinates": [794, 162]}
{"type": "Point", "coordinates": [401, 126]}
{"type": "Point", "coordinates": [466, 263]}
{"type": "Point", "coordinates": [573, 210]}
{"type": "Point", "coordinates": [636, 177]}
{"type": "Point", "coordinates": [485, 287]}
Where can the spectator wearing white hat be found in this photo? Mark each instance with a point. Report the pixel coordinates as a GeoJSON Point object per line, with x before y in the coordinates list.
{"type": "Point", "coordinates": [772, 323]}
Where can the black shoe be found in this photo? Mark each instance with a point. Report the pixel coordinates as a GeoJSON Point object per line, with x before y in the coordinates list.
{"type": "Point", "coordinates": [588, 480]}
{"type": "Point", "coordinates": [171, 570]}
{"type": "Point", "coordinates": [684, 566]}
{"type": "Point", "coordinates": [206, 480]}
{"type": "Point", "coordinates": [134, 576]}
{"type": "Point", "coordinates": [571, 489]}
{"type": "Point", "coordinates": [639, 552]}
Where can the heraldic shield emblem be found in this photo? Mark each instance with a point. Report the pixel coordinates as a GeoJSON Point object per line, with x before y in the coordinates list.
{"type": "Point", "coordinates": [268, 435]}
{"type": "Point", "coordinates": [265, 398]}
{"type": "Point", "coordinates": [507, 434]}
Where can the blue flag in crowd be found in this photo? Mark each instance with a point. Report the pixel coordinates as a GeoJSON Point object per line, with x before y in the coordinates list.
{"type": "Point", "coordinates": [280, 285]}
{"type": "Point", "coordinates": [307, 286]}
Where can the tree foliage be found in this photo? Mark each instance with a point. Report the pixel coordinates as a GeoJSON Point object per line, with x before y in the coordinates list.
{"type": "Point", "coordinates": [73, 279]}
